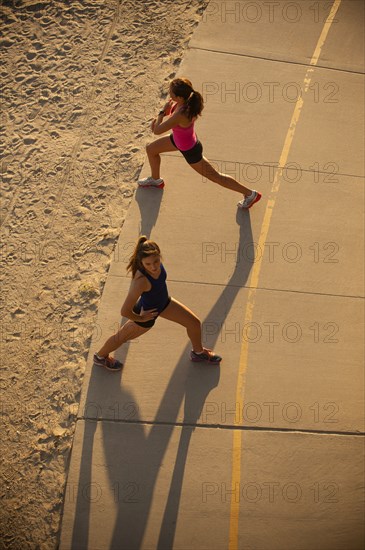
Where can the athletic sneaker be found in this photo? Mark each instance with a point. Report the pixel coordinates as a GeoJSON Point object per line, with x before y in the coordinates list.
{"type": "Point", "coordinates": [150, 182]}
{"type": "Point", "coordinates": [107, 362]}
{"type": "Point", "coordinates": [249, 201]}
{"type": "Point", "coordinates": [206, 355]}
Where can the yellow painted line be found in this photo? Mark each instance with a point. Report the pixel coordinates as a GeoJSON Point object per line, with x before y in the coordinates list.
{"type": "Point", "coordinates": [254, 279]}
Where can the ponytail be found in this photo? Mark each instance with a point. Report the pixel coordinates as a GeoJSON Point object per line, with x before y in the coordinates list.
{"type": "Point", "coordinates": [143, 248]}
{"type": "Point", "coordinates": [194, 103]}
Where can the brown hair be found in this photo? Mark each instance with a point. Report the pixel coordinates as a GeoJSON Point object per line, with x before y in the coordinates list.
{"type": "Point", "coordinates": [143, 248]}
{"type": "Point", "coordinates": [194, 103]}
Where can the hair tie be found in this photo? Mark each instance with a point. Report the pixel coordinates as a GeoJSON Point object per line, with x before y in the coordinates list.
{"type": "Point", "coordinates": [191, 94]}
{"type": "Point", "coordinates": [141, 242]}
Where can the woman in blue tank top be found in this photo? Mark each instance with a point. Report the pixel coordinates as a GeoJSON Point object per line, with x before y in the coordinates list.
{"type": "Point", "coordinates": [147, 299]}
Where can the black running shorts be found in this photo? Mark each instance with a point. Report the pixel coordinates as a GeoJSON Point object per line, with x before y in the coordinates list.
{"type": "Point", "coordinates": [193, 155]}
{"type": "Point", "coordinates": [147, 324]}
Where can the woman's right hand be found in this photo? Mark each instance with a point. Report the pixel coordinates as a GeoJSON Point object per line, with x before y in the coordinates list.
{"type": "Point", "coordinates": [168, 106]}
{"type": "Point", "coordinates": [148, 315]}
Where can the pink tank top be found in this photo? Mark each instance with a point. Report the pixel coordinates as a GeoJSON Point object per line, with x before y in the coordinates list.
{"type": "Point", "coordinates": [184, 138]}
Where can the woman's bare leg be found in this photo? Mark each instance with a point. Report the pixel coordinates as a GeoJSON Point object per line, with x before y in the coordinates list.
{"type": "Point", "coordinates": [204, 168]}
{"type": "Point", "coordinates": [161, 145]}
{"type": "Point", "coordinates": [179, 313]}
{"type": "Point", "coordinates": [127, 332]}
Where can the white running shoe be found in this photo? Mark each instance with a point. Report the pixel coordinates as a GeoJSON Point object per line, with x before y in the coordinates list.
{"type": "Point", "coordinates": [250, 200]}
{"type": "Point", "coordinates": [150, 182]}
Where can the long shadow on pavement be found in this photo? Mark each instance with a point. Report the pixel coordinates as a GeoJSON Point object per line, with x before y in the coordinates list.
{"type": "Point", "coordinates": [150, 198]}
{"type": "Point", "coordinates": [133, 467]}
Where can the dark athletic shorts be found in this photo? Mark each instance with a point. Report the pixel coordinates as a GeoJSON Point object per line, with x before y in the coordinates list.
{"type": "Point", "coordinates": [193, 155]}
{"type": "Point", "coordinates": [147, 324]}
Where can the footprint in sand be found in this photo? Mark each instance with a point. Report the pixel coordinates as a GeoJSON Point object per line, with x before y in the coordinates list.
{"type": "Point", "coordinates": [31, 215]}
{"type": "Point", "coordinates": [91, 173]}
{"type": "Point", "coordinates": [18, 312]}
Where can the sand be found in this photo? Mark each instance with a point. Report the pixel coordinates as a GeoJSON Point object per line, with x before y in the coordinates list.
{"type": "Point", "coordinates": [82, 80]}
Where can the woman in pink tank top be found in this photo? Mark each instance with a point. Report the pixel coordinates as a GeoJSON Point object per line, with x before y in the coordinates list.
{"type": "Point", "coordinates": [182, 109]}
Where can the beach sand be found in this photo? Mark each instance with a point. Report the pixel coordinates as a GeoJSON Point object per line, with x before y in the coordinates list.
{"type": "Point", "coordinates": [82, 81]}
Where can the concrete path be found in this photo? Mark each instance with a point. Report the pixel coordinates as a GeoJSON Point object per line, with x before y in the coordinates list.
{"type": "Point", "coordinates": [265, 451]}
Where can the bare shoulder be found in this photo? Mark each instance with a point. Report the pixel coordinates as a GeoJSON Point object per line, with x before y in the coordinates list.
{"type": "Point", "coordinates": [183, 120]}
{"type": "Point", "coordinates": [179, 117]}
{"type": "Point", "coordinates": [140, 282]}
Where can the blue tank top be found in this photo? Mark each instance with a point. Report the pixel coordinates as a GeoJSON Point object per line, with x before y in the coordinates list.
{"type": "Point", "coordinates": [158, 296]}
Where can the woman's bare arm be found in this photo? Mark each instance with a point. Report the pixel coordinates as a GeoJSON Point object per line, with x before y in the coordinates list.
{"type": "Point", "coordinates": [138, 285]}
{"type": "Point", "coordinates": [159, 126]}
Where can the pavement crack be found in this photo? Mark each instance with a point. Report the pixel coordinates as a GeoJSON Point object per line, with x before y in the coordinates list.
{"type": "Point", "coordinates": [224, 426]}
{"type": "Point", "coordinates": [288, 290]}
{"type": "Point", "coordinates": [250, 56]}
